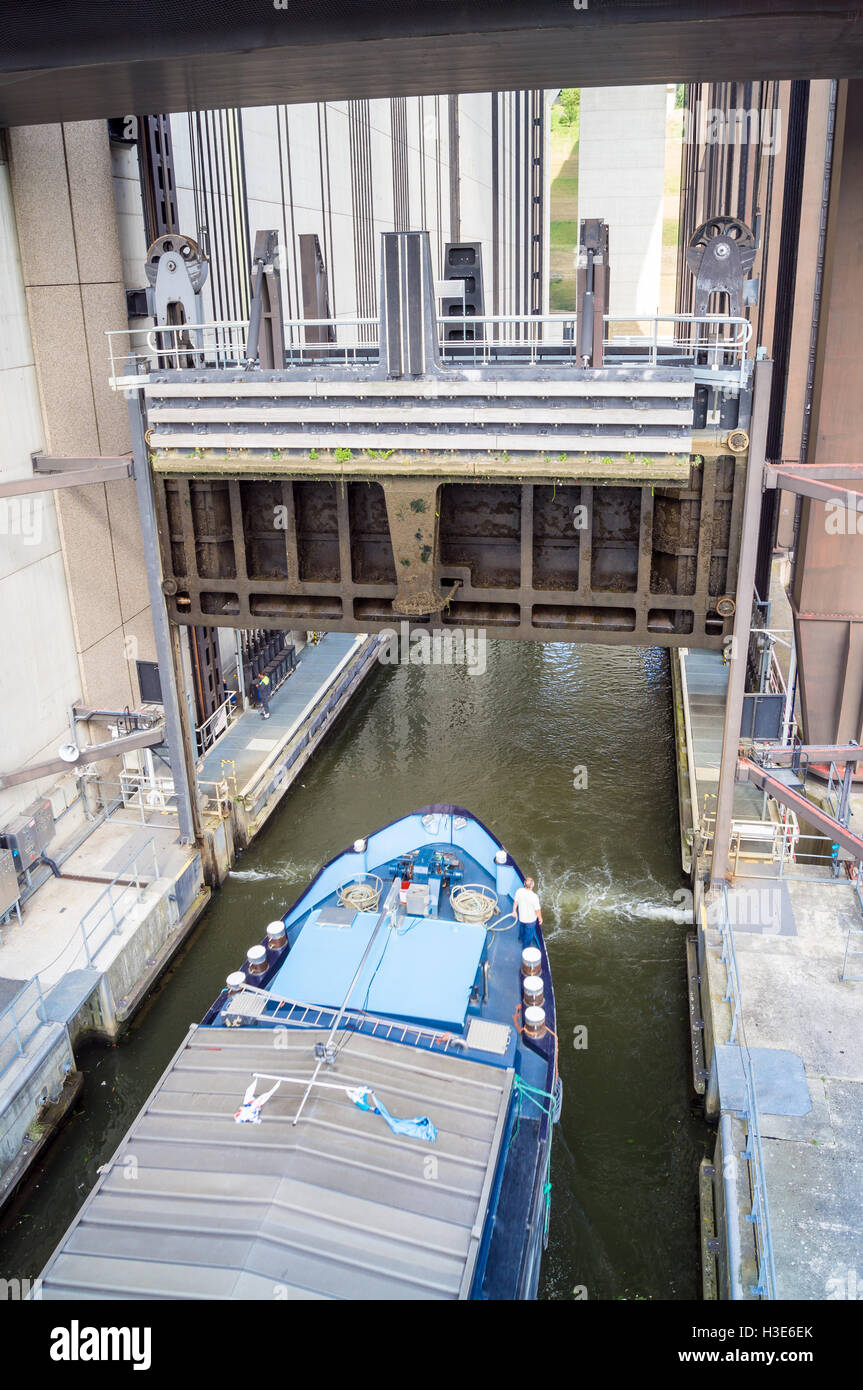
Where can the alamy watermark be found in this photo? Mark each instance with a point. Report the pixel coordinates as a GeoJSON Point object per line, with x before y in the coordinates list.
{"type": "Point", "coordinates": [440, 647]}
{"type": "Point", "coordinates": [844, 518]}
{"type": "Point", "coordinates": [739, 125]}
{"type": "Point", "coordinates": [83, 1343]}
{"type": "Point", "coordinates": [758, 909]}
{"type": "Point", "coordinates": [20, 1290]}
{"type": "Point", "coordinates": [22, 516]}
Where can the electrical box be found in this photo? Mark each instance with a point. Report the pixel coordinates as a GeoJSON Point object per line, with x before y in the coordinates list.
{"type": "Point", "coordinates": [28, 835]}
{"type": "Point", "coordinates": [42, 812]}
{"type": "Point", "coordinates": [21, 840]}
{"type": "Point", "coordinates": [417, 904]}
{"type": "Point", "coordinates": [9, 891]}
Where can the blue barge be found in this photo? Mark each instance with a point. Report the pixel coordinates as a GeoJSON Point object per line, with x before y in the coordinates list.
{"type": "Point", "coordinates": [366, 1110]}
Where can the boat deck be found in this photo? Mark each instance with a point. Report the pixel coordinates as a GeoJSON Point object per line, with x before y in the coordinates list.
{"type": "Point", "coordinates": [423, 971]}
{"type": "Point", "coordinates": [336, 1206]}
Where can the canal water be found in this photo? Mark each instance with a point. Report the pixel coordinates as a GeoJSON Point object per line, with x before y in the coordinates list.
{"type": "Point", "coordinates": [567, 753]}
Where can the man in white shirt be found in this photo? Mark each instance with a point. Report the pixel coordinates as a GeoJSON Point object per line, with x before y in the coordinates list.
{"type": "Point", "coordinates": [526, 907]}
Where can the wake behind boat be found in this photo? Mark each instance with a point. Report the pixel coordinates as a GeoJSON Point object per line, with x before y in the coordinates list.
{"type": "Point", "coordinates": [366, 1110]}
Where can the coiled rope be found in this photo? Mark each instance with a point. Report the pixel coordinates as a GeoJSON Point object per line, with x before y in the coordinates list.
{"type": "Point", "coordinates": [473, 904]}
{"type": "Point", "coordinates": [362, 894]}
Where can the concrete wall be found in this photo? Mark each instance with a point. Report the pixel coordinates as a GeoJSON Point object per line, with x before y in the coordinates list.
{"type": "Point", "coordinates": [621, 178]}
{"type": "Point", "coordinates": [39, 675]}
{"type": "Point", "coordinates": [73, 278]}
{"type": "Point", "coordinates": [152, 932]}
{"type": "Point", "coordinates": [32, 1080]}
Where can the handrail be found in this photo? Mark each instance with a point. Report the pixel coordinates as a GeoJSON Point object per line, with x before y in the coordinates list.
{"type": "Point", "coordinates": [714, 349]}
{"type": "Point", "coordinates": [108, 892]}
{"type": "Point", "coordinates": [690, 744]}
{"type": "Point", "coordinates": [25, 1020]}
{"type": "Point", "coordinates": [206, 736]}
{"type": "Point", "coordinates": [759, 1213]}
{"type": "Point", "coordinates": [222, 343]}
{"type": "Point", "coordinates": [784, 833]}
{"type": "Point", "coordinates": [297, 1013]}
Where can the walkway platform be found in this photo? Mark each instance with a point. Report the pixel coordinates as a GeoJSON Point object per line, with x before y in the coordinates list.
{"type": "Point", "coordinates": [795, 1001]}
{"type": "Point", "coordinates": [48, 941]}
{"type": "Point", "coordinates": [251, 739]}
{"type": "Point", "coordinates": [707, 685]}
{"type": "Point", "coordinates": [135, 892]}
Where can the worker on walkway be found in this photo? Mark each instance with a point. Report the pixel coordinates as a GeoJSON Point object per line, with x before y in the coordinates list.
{"type": "Point", "coordinates": [261, 686]}
{"type": "Point", "coordinates": [526, 907]}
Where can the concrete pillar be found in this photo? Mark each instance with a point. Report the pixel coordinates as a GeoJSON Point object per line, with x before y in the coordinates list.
{"type": "Point", "coordinates": [73, 276]}
{"type": "Point", "coordinates": [621, 179]}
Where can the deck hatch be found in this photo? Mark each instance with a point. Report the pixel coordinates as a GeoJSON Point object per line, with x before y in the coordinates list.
{"type": "Point", "coordinates": [422, 970]}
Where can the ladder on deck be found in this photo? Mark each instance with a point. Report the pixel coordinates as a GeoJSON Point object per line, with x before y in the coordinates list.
{"type": "Point", "coordinates": [250, 1005]}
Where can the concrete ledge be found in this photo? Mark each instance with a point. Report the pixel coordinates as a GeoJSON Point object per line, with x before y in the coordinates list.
{"type": "Point", "coordinates": [503, 465]}
{"type": "Point", "coordinates": [696, 1017]}
{"type": "Point", "coordinates": [707, 1223]}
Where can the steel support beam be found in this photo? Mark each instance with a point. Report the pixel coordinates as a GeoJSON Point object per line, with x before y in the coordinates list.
{"type": "Point", "coordinates": [67, 463]}
{"type": "Point", "coordinates": [742, 623]}
{"type": "Point", "coordinates": [79, 476]}
{"type": "Point", "coordinates": [95, 61]}
{"type": "Point", "coordinates": [815, 481]}
{"type": "Point", "coordinates": [167, 649]}
{"type": "Point", "coordinates": [816, 753]}
{"type": "Point", "coordinates": [827, 578]}
{"type": "Point", "coordinates": [97, 752]}
{"type": "Point", "coordinates": [838, 834]}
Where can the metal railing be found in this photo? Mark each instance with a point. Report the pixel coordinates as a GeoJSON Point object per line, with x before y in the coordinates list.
{"type": "Point", "coordinates": [134, 352]}
{"type": "Point", "coordinates": [515, 339]}
{"type": "Point", "coordinates": [778, 838]}
{"type": "Point", "coordinates": [356, 340]}
{"type": "Point", "coordinates": [106, 916]}
{"type": "Point", "coordinates": [854, 939]}
{"type": "Point", "coordinates": [714, 344]}
{"type": "Point", "coordinates": [22, 1017]}
{"type": "Point", "coordinates": [773, 681]}
{"type": "Point", "coordinates": [219, 722]}
{"type": "Point", "coordinates": [759, 1213]}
